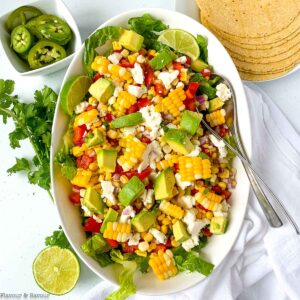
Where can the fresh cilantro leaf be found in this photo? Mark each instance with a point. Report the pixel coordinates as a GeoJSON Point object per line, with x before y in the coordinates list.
{"type": "Point", "coordinates": [58, 238]}
{"type": "Point", "coordinates": [67, 163]}
{"type": "Point", "coordinates": [6, 86]}
{"type": "Point", "coordinates": [22, 164]}
{"type": "Point", "coordinates": [16, 136]}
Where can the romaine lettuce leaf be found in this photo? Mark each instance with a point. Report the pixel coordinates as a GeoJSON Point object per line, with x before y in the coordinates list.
{"type": "Point", "coordinates": [202, 43]}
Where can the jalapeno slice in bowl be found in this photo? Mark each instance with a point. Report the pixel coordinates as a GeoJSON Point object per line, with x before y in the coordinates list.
{"type": "Point", "coordinates": [21, 39]}
{"type": "Point", "coordinates": [21, 15]}
{"type": "Point", "coordinates": [44, 53]}
{"type": "Point", "coordinates": [51, 28]}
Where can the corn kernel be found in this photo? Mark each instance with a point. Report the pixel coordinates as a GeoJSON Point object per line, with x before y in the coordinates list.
{"type": "Point", "coordinates": [151, 52]}
{"type": "Point", "coordinates": [125, 53]}
{"type": "Point", "coordinates": [112, 134]}
{"type": "Point", "coordinates": [116, 45]}
{"type": "Point", "coordinates": [132, 58]}
{"type": "Point", "coordinates": [141, 253]}
{"type": "Point", "coordinates": [209, 215]}
{"type": "Point", "coordinates": [164, 229]}
{"type": "Point", "coordinates": [222, 185]}
{"type": "Point", "coordinates": [174, 243]}
{"type": "Point", "coordinates": [93, 166]}
{"type": "Point", "coordinates": [166, 221]}
{"type": "Point", "coordinates": [124, 179]}
{"type": "Point", "coordinates": [148, 237]}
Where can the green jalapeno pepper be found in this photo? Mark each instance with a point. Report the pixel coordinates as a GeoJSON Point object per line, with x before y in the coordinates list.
{"type": "Point", "coordinates": [20, 16]}
{"type": "Point", "coordinates": [21, 39]}
{"type": "Point", "coordinates": [44, 53]}
{"type": "Point", "coordinates": [51, 28]}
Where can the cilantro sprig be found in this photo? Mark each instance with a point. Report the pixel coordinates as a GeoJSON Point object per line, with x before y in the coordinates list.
{"type": "Point", "coordinates": [33, 121]}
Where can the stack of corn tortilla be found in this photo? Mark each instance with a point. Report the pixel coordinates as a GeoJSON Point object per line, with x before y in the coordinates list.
{"type": "Point", "coordinates": [262, 36]}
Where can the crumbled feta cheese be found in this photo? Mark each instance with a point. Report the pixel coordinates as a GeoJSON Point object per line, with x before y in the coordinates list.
{"type": "Point", "coordinates": [220, 214]}
{"type": "Point", "coordinates": [182, 184]}
{"type": "Point", "coordinates": [152, 153]}
{"type": "Point", "coordinates": [137, 73]}
{"type": "Point", "coordinates": [220, 145]}
{"type": "Point", "coordinates": [187, 201]}
{"type": "Point", "coordinates": [86, 210]}
{"type": "Point", "coordinates": [115, 58]}
{"type": "Point", "coordinates": [136, 91]}
{"type": "Point", "coordinates": [143, 246]}
{"type": "Point", "coordinates": [171, 125]}
{"type": "Point", "coordinates": [108, 191]}
{"type": "Point", "coordinates": [79, 108]}
{"type": "Point", "coordinates": [82, 192]}
{"type": "Point", "coordinates": [190, 216]}
{"type": "Point", "coordinates": [195, 228]}
{"type": "Point", "coordinates": [127, 213]}
{"type": "Point", "coordinates": [225, 206]}
{"type": "Point", "coordinates": [134, 239]}
{"type": "Point", "coordinates": [141, 59]}
{"type": "Point", "coordinates": [190, 243]}
{"type": "Point", "coordinates": [147, 197]}
{"type": "Point", "coordinates": [180, 84]}
{"type": "Point", "coordinates": [111, 100]}
{"type": "Point", "coordinates": [181, 59]}
{"type": "Point", "coordinates": [167, 78]}
{"type": "Point", "coordinates": [152, 119]}
{"type": "Point", "coordinates": [223, 92]}
{"type": "Point", "coordinates": [118, 89]}
{"type": "Point", "coordinates": [159, 236]}
{"type": "Point", "coordinates": [124, 52]}
{"type": "Point", "coordinates": [195, 152]}
{"type": "Point", "coordinates": [129, 130]}
{"type": "Point", "coordinates": [97, 218]}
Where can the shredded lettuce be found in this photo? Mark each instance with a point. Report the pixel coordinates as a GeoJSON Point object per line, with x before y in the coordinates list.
{"type": "Point", "coordinates": [191, 261]}
{"type": "Point", "coordinates": [202, 43]}
{"type": "Point", "coordinates": [98, 39]}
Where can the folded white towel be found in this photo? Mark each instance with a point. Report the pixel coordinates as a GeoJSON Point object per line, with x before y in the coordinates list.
{"type": "Point", "coordinates": [259, 250]}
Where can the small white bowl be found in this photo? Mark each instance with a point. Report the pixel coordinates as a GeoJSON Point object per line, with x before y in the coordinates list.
{"type": "Point", "coordinates": [51, 7]}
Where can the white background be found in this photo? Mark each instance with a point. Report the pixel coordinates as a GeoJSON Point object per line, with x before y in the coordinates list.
{"type": "Point", "coordinates": [27, 215]}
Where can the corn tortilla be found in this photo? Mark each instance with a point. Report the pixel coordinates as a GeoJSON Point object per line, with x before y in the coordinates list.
{"type": "Point", "coordinates": [262, 77]}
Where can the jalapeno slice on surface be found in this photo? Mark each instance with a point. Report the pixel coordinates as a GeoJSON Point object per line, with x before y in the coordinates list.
{"type": "Point", "coordinates": [51, 28]}
{"type": "Point", "coordinates": [20, 16]}
{"type": "Point", "coordinates": [44, 53]}
{"type": "Point", "coordinates": [21, 39]}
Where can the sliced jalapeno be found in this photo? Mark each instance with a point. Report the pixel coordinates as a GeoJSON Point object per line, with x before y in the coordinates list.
{"type": "Point", "coordinates": [21, 39]}
{"type": "Point", "coordinates": [44, 53]}
{"type": "Point", "coordinates": [20, 16]}
{"type": "Point", "coordinates": [51, 28]}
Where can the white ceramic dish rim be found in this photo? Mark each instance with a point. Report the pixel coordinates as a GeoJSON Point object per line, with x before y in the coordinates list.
{"type": "Point", "coordinates": [59, 64]}
{"type": "Point", "coordinates": [246, 134]}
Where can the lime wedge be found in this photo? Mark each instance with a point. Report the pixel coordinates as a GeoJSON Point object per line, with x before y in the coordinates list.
{"type": "Point", "coordinates": [73, 92]}
{"type": "Point", "coordinates": [180, 41]}
{"type": "Point", "coordinates": [56, 270]}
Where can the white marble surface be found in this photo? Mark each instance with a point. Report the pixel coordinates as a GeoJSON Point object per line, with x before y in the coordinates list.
{"type": "Point", "coordinates": [27, 214]}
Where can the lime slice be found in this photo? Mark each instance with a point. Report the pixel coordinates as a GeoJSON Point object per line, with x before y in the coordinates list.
{"type": "Point", "coordinates": [56, 270]}
{"type": "Point", "coordinates": [73, 92]}
{"type": "Point", "coordinates": [180, 41]}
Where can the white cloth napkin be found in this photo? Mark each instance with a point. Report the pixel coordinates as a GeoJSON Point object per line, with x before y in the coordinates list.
{"type": "Point", "coordinates": [260, 252]}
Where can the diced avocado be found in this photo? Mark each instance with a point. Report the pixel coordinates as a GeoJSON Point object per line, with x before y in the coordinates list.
{"type": "Point", "coordinates": [215, 104]}
{"type": "Point", "coordinates": [144, 220]}
{"type": "Point", "coordinates": [131, 190]}
{"type": "Point", "coordinates": [95, 245]}
{"type": "Point", "coordinates": [111, 216]}
{"type": "Point", "coordinates": [180, 232]}
{"type": "Point", "coordinates": [95, 138]}
{"type": "Point", "coordinates": [198, 65]}
{"type": "Point", "coordinates": [179, 141]}
{"type": "Point", "coordinates": [128, 120]}
{"type": "Point", "coordinates": [93, 201]}
{"type": "Point", "coordinates": [164, 184]}
{"type": "Point", "coordinates": [190, 121]}
{"type": "Point", "coordinates": [107, 159]}
{"type": "Point", "coordinates": [102, 89]}
{"type": "Point", "coordinates": [131, 40]}
{"type": "Point", "coordinates": [162, 59]}
{"type": "Point", "coordinates": [218, 225]}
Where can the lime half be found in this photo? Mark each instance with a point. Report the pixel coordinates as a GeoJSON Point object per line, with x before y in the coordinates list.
{"type": "Point", "coordinates": [56, 270]}
{"type": "Point", "coordinates": [73, 92]}
{"type": "Point", "coordinates": [180, 41]}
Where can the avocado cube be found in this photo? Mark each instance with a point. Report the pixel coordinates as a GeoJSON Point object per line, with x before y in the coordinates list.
{"type": "Point", "coordinates": [96, 138]}
{"type": "Point", "coordinates": [95, 244]}
{"type": "Point", "coordinates": [102, 89]}
{"type": "Point", "coordinates": [111, 216]}
{"type": "Point", "coordinates": [179, 141]}
{"type": "Point", "coordinates": [218, 225]}
{"type": "Point", "coordinates": [107, 160]}
{"type": "Point", "coordinates": [131, 40]}
{"type": "Point", "coordinates": [131, 190]}
{"type": "Point", "coordinates": [180, 232]}
{"type": "Point", "coordinates": [190, 121]}
{"type": "Point", "coordinates": [128, 120]}
{"type": "Point", "coordinates": [164, 185]}
{"type": "Point", "coordinates": [144, 220]}
{"type": "Point", "coordinates": [215, 104]}
{"type": "Point", "coordinates": [198, 65]}
{"type": "Point", "coordinates": [93, 201]}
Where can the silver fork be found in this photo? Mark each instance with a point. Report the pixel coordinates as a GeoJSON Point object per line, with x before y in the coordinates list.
{"type": "Point", "coordinates": [267, 208]}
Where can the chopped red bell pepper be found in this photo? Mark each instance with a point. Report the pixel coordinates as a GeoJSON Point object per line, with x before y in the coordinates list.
{"type": "Point", "coordinates": [149, 77]}
{"type": "Point", "coordinates": [90, 107]}
{"type": "Point", "coordinates": [177, 65]}
{"type": "Point", "coordinates": [226, 194]}
{"type": "Point", "coordinates": [132, 109]}
{"type": "Point", "coordinates": [125, 63]}
{"type": "Point", "coordinates": [144, 174]}
{"type": "Point", "coordinates": [143, 52]}
{"type": "Point", "coordinates": [176, 167]}
{"type": "Point", "coordinates": [145, 140]}
{"type": "Point", "coordinates": [190, 104]}
{"type": "Point", "coordinates": [115, 207]}
{"type": "Point", "coordinates": [92, 225]}
{"type": "Point", "coordinates": [130, 249]}
{"type": "Point", "coordinates": [159, 89]}
{"type": "Point", "coordinates": [96, 77]}
{"type": "Point", "coordinates": [201, 207]}
{"type": "Point", "coordinates": [206, 73]}
{"type": "Point", "coordinates": [143, 102]}
{"type": "Point", "coordinates": [217, 189]}
{"type": "Point", "coordinates": [74, 197]}
{"type": "Point", "coordinates": [223, 131]}
{"type": "Point", "coordinates": [194, 192]}
{"type": "Point", "coordinates": [108, 117]}
{"type": "Point", "coordinates": [118, 170]}
{"type": "Point", "coordinates": [160, 247]}
{"type": "Point", "coordinates": [206, 232]}
{"type": "Point", "coordinates": [188, 60]}
{"type": "Point", "coordinates": [168, 243]}
{"type": "Point", "coordinates": [84, 161]}
{"type": "Point", "coordinates": [78, 134]}
{"type": "Point", "coordinates": [112, 243]}
{"type": "Point", "coordinates": [191, 90]}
